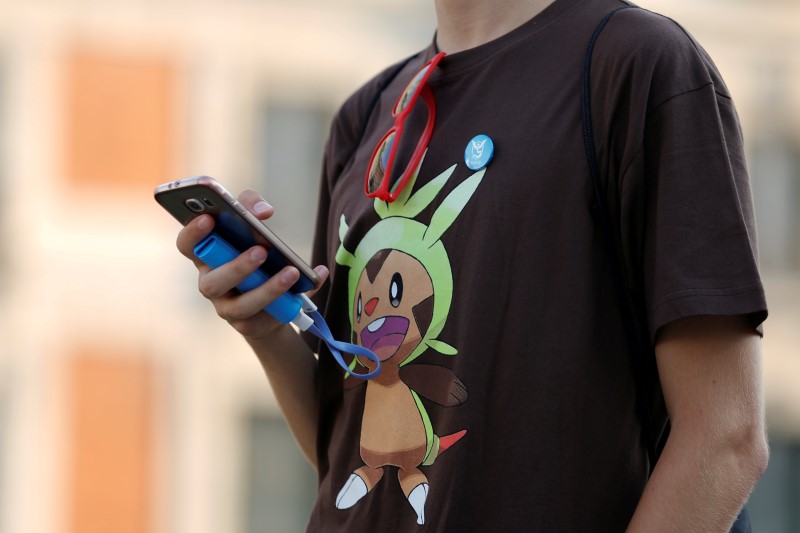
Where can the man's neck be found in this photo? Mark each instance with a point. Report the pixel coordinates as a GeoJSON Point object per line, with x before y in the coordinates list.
{"type": "Point", "coordinates": [464, 24]}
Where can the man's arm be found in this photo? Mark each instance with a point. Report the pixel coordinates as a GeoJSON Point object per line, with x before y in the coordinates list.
{"type": "Point", "coordinates": [710, 371]}
{"type": "Point", "coordinates": [291, 369]}
{"type": "Point", "coordinates": [288, 361]}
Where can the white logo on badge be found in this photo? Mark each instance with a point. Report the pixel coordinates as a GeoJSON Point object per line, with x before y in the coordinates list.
{"type": "Point", "coordinates": [479, 152]}
{"type": "Point", "coordinates": [477, 148]}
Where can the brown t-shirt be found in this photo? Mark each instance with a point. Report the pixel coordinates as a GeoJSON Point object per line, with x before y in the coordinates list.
{"type": "Point", "coordinates": [507, 402]}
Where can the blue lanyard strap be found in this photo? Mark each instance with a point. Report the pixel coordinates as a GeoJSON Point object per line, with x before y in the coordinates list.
{"type": "Point", "coordinates": [215, 251]}
{"type": "Point", "coordinates": [321, 330]}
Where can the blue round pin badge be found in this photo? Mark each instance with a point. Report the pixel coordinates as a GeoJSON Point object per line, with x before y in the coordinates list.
{"type": "Point", "coordinates": [479, 152]}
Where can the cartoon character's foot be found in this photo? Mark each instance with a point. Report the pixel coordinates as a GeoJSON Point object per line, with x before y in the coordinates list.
{"type": "Point", "coordinates": [354, 489]}
{"type": "Point", "coordinates": [417, 500]}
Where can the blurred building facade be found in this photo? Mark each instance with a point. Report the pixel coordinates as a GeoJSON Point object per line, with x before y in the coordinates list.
{"type": "Point", "coordinates": [125, 404]}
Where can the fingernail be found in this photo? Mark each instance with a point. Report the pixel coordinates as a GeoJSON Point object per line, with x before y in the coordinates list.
{"type": "Point", "coordinates": [261, 207]}
{"type": "Point", "coordinates": [290, 275]}
{"type": "Point", "coordinates": [204, 224]}
{"type": "Point", "coordinates": [259, 255]}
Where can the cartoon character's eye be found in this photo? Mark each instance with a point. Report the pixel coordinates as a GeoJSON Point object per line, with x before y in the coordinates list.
{"type": "Point", "coordinates": [359, 308]}
{"type": "Point", "coordinates": [396, 290]}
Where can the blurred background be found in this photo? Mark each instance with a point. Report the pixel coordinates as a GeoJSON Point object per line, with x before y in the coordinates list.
{"type": "Point", "coordinates": [126, 406]}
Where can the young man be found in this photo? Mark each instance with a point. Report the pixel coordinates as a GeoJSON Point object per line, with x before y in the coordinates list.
{"type": "Point", "coordinates": [479, 275]}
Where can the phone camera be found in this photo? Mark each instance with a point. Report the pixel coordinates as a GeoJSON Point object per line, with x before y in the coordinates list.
{"type": "Point", "coordinates": [195, 205]}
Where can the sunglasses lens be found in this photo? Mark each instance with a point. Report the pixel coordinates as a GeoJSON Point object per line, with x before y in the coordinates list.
{"type": "Point", "coordinates": [377, 169]}
{"type": "Point", "coordinates": [405, 98]}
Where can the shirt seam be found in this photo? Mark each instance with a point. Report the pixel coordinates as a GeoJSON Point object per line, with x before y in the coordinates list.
{"type": "Point", "coordinates": [723, 292]}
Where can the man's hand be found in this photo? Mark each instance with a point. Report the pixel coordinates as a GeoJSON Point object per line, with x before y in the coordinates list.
{"type": "Point", "coordinates": [242, 311]}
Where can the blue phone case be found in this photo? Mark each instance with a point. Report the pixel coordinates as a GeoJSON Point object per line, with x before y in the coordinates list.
{"type": "Point", "coordinates": [237, 233]}
{"type": "Point", "coordinates": [214, 251]}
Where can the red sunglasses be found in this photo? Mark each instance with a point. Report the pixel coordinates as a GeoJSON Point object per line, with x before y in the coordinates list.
{"type": "Point", "coordinates": [380, 181]}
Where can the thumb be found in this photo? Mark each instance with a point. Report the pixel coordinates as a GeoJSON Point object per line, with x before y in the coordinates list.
{"type": "Point", "coordinates": [256, 204]}
{"type": "Point", "coordinates": [323, 273]}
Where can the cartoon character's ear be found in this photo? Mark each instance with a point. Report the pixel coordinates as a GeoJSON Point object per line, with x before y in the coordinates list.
{"type": "Point", "coordinates": [409, 205]}
{"type": "Point", "coordinates": [423, 197]}
{"type": "Point", "coordinates": [343, 228]}
{"type": "Point", "coordinates": [451, 207]}
{"type": "Point", "coordinates": [385, 209]}
{"type": "Point", "coordinates": [343, 257]}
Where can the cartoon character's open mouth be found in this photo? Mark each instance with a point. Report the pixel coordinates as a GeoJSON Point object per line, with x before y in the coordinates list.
{"type": "Point", "coordinates": [385, 335]}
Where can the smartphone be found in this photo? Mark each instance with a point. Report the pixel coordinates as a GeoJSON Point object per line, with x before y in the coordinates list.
{"type": "Point", "coordinates": [189, 198]}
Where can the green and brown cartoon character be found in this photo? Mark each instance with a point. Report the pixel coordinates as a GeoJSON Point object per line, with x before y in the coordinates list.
{"type": "Point", "coordinates": [400, 287]}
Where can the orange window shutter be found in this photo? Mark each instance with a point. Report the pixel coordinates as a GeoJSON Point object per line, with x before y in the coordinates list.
{"type": "Point", "coordinates": [111, 449]}
{"type": "Point", "coordinates": [119, 120]}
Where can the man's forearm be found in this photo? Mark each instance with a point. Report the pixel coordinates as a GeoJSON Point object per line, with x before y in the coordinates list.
{"type": "Point", "coordinates": [699, 485]}
{"type": "Point", "coordinates": [710, 372]}
{"type": "Point", "coordinates": [291, 368]}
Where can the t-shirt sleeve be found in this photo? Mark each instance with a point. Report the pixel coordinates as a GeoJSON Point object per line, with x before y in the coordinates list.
{"type": "Point", "coordinates": [686, 210]}
{"type": "Point", "coordinates": [699, 239]}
